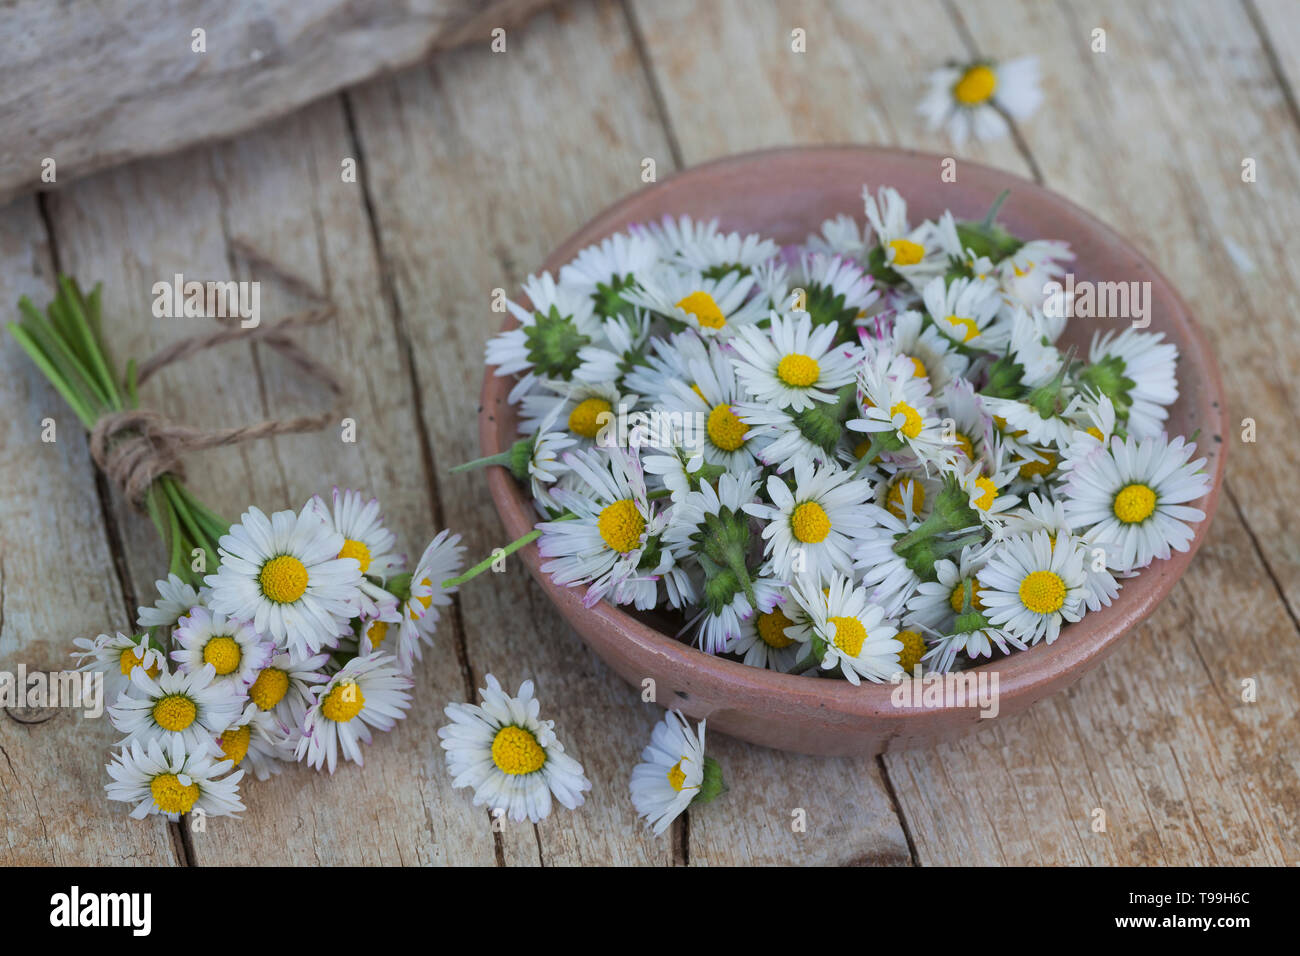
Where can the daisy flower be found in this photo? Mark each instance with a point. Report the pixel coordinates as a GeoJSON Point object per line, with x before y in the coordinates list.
{"type": "Point", "coordinates": [284, 688]}
{"type": "Point", "coordinates": [907, 253]}
{"type": "Point", "coordinates": [694, 246]}
{"type": "Point", "coordinates": [973, 636]}
{"type": "Point", "coordinates": [509, 756]}
{"type": "Point", "coordinates": [847, 630]}
{"type": "Point", "coordinates": [976, 99]}
{"type": "Point", "coordinates": [937, 604]}
{"type": "Point", "coordinates": [175, 598]}
{"type": "Point", "coordinates": [840, 236]}
{"type": "Point", "coordinates": [791, 364]}
{"type": "Point", "coordinates": [966, 311]}
{"type": "Point", "coordinates": [255, 741]}
{"type": "Point", "coordinates": [588, 410]}
{"type": "Point", "coordinates": [367, 692]}
{"type": "Point", "coordinates": [881, 567]}
{"type": "Point", "coordinates": [1030, 587]}
{"type": "Point", "coordinates": [673, 773]}
{"type": "Point", "coordinates": [666, 361]}
{"type": "Point", "coordinates": [613, 522]}
{"type": "Point", "coordinates": [712, 307]}
{"type": "Point", "coordinates": [621, 349]}
{"type": "Point", "coordinates": [546, 342]}
{"type": "Point", "coordinates": [365, 538]}
{"type": "Point", "coordinates": [1134, 494]}
{"type": "Point", "coordinates": [763, 641]}
{"type": "Point", "coordinates": [235, 651]}
{"type": "Point", "coordinates": [710, 398]}
{"type": "Point", "coordinates": [933, 355]}
{"type": "Point", "coordinates": [285, 576]}
{"type": "Point", "coordinates": [814, 528]}
{"type": "Point", "coordinates": [897, 415]}
{"type": "Point", "coordinates": [191, 709]}
{"type": "Point", "coordinates": [168, 780]}
{"type": "Point", "coordinates": [118, 656]}
{"type": "Point", "coordinates": [607, 269]}
{"type": "Point", "coordinates": [441, 561]}
{"type": "Point", "coordinates": [1136, 371]}
{"type": "Point", "coordinates": [836, 291]}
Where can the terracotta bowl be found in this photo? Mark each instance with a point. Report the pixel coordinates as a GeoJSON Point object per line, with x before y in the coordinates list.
{"type": "Point", "coordinates": [786, 194]}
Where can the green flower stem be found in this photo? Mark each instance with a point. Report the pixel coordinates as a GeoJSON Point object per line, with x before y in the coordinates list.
{"type": "Point", "coordinates": [505, 552]}
{"type": "Point", "coordinates": [501, 458]}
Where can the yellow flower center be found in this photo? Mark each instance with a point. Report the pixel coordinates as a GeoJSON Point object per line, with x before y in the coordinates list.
{"type": "Point", "coordinates": [377, 631]}
{"type": "Point", "coordinates": [850, 635]}
{"type": "Point", "coordinates": [968, 328]}
{"type": "Point", "coordinates": [861, 448]}
{"type": "Point", "coordinates": [174, 712]}
{"type": "Point", "coordinates": [129, 662]}
{"type": "Point", "coordinates": [516, 751]}
{"type": "Point", "coordinates": [771, 627]}
{"type": "Point", "coordinates": [725, 429]}
{"type": "Point", "coordinates": [1095, 432]}
{"type": "Point", "coordinates": [975, 86]}
{"type": "Point", "coordinates": [1043, 592]}
{"type": "Point", "coordinates": [343, 702]}
{"type": "Point", "coordinates": [894, 499]}
{"type": "Point", "coordinates": [269, 688]}
{"type": "Point", "coordinates": [907, 252]}
{"type": "Point", "coordinates": [911, 426]}
{"type": "Point", "coordinates": [918, 367]}
{"type": "Point", "coordinates": [426, 599]}
{"type": "Point", "coordinates": [172, 796]}
{"type": "Point", "coordinates": [1042, 469]}
{"type": "Point", "coordinates": [966, 445]}
{"type": "Point", "coordinates": [358, 550]}
{"type": "Point", "coordinates": [957, 600]}
{"type": "Point", "coordinates": [1135, 503]}
{"type": "Point", "coordinates": [704, 308]}
{"type": "Point", "coordinates": [283, 579]}
{"type": "Point", "coordinates": [621, 526]}
{"type": "Point", "coordinates": [223, 654]}
{"type": "Point", "coordinates": [913, 650]}
{"type": "Point", "coordinates": [677, 776]}
{"type": "Point", "coordinates": [798, 371]}
{"type": "Point", "coordinates": [234, 743]}
{"type": "Point", "coordinates": [810, 523]}
{"type": "Point", "coordinates": [988, 492]}
{"type": "Point", "coordinates": [698, 391]}
{"type": "Point", "coordinates": [586, 417]}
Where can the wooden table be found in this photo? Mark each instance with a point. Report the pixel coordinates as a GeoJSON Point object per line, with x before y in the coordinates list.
{"type": "Point", "coordinates": [471, 169]}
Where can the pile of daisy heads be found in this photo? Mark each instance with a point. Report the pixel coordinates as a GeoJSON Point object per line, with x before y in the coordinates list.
{"type": "Point", "coordinates": [297, 648]}
{"type": "Point", "coordinates": [852, 457]}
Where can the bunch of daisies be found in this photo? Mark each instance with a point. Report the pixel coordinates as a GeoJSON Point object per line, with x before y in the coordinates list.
{"type": "Point", "coordinates": [298, 648]}
{"type": "Point", "coordinates": [853, 457]}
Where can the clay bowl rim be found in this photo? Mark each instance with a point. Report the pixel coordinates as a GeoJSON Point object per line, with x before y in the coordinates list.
{"type": "Point", "coordinates": [1020, 674]}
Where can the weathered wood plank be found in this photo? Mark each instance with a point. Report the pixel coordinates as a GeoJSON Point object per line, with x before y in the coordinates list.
{"type": "Point", "coordinates": [477, 167]}
{"type": "Point", "coordinates": [122, 79]}
{"type": "Point", "coordinates": [1159, 736]}
{"type": "Point", "coordinates": [281, 191]}
{"type": "Point", "coordinates": [56, 582]}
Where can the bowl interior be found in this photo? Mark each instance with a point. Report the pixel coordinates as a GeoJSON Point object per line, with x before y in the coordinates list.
{"type": "Point", "coordinates": [786, 194]}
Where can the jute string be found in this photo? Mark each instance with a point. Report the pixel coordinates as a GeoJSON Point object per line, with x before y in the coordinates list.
{"type": "Point", "coordinates": [136, 447]}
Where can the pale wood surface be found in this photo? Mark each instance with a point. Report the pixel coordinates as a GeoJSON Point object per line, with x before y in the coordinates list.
{"type": "Point", "coordinates": [472, 168]}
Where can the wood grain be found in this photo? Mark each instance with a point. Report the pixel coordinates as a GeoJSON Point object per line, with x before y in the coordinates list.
{"type": "Point", "coordinates": [121, 79]}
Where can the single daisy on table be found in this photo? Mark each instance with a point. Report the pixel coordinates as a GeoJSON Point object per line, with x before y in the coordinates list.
{"type": "Point", "coordinates": [713, 308]}
{"type": "Point", "coordinates": [175, 598]}
{"type": "Point", "coordinates": [967, 310]}
{"type": "Point", "coordinates": [367, 692]}
{"type": "Point", "coordinates": [283, 689]}
{"type": "Point", "coordinates": [167, 779]}
{"type": "Point", "coordinates": [284, 575]}
{"type": "Point", "coordinates": [846, 630]}
{"type": "Point", "coordinates": [236, 652]}
{"type": "Point", "coordinates": [1135, 495]}
{"type": "Point", "coordinates": [976, 99]}
{"type": "Point", "coordinates": [612, 525]}
{"type": "Point", "coordinates": [441, 562]}
{"type": "Point", "coordinates": [607, 269]}
{"type": "Point", "coordinates": [1136, 371]}
{"type": "Point", "coordinates": [190, 708]}
{"type": "Point", "coordinates": [546, 342]}
{"type": "Point", "coordinates": [509, 755]}
{"type": "Point", "coordinates": [673, 773]}
{"type": "Point", "coordinates": [793, 364]}
{"type": "Point", "coordinates": [118, 656]}
{"type": "Point", "coordinates": [814, 527]}
{"type": "Point", "coordinates": [1031, 588]}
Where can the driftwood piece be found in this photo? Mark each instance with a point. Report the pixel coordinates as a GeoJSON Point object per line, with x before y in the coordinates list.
{"type": "Point", "coordinates": [91, 85]}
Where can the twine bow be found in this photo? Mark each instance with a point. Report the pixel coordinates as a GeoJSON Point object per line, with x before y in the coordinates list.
{"type": "Point", "coordinates": [137, 446]}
